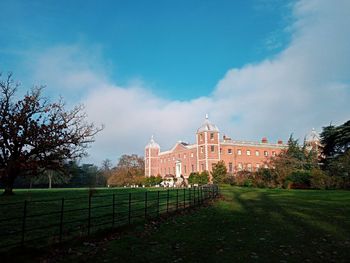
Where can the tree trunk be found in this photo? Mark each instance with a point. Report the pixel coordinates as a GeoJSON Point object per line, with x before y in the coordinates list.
{"type": "Point", "coordinates": [8, 184]}
{"type": "Point", "coordinates": [50, 179]}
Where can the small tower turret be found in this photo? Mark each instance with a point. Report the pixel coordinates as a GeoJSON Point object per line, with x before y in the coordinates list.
{"type": "Point", "coordinates": [152, 150]}
{"type": "Point", "coordinates": [208, 145]}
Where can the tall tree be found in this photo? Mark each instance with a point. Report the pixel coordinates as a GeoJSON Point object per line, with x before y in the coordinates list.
{"type": "Point", "coordinates": [36, 135]}
{"type": "Point", "coordinates": [219, 172]}
{"type": "Point", "coordinates": [129, 169]}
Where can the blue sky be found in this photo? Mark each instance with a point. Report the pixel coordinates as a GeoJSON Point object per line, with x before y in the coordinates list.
{"type": "Point", "coordinates": [180, 48]}
{"type": "Point", "coordinates": [260, 68]}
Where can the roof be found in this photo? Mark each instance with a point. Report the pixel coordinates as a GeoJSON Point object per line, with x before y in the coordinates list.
{"type": "Point", "coordinates": [312, 136]}
{"type": "Point", "coordinates": [152, 144]}
{"type": "Point", "coordinates": [208, 126]}
{"type": "Point", "coordinates": [255, 144]}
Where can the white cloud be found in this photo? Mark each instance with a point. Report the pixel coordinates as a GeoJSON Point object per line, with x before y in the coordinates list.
{"type": "Point", "coordinates": [305, 86]}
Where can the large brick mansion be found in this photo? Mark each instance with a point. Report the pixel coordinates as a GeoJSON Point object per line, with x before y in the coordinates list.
{"type": "Point", "coordinates": [209, 148]}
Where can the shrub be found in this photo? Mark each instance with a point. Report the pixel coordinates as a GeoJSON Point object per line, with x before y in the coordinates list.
{"type": "Point", "coordinates": [229, 179]}
{"type": "Point", "coordinates": [299, 179]}
{"type": "Point", "coordinates": [320, 180]}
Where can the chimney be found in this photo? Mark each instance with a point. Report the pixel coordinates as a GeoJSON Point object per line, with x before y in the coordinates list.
{"type": "Point", "coordinates": [264, 140]}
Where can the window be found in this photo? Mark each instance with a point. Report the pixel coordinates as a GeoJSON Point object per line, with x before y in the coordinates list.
{"type": "Point", "coordinates": [201, 149]}
{"type": "Point", "coordinates": [212, 148]}
{"type": "Point", "coordinates": [220, 150]}
{"type": "Point", "coordinates": [257, 153]}
{"type": "Point", "coordinates": [211, 136]}
{"type": "Point", "coordinates": [249, 167]}
{"type": "Point", "coordinates": [266, 153]}
{"type": "Point", "coordinates": [248, 152]}
{"type": "Point", "coordinates": [185, 156]}
{"type": "Point", "coordinates": [240, 167]}
{"type": "Point", "coordinates": [273, 153]}
{"type": "Point", "coordinates": [191, 155]}
{"type": "Point", "coordinates": [257, 166]}
{"type": "Point", "coordinates": [173, 158]}
{"type": "Point", "coordinates": [173, 170]}
{"type": "Point", "coordinates": [229, 151]}
{"type": "Point", "coordinates": [230, 167]}
{"type": "Point", "coordinates": [201, 137]}
{"type": "Point", "coordinates": [239, 152]}
{"type": "Point", "coordinates": [265, 166]}
{"type": "Point", "coordinates": [185, 170]}
{"type": "Point", "coordinates": [202, 166]}
{"type": "Point", "coordinates": [192, 168]}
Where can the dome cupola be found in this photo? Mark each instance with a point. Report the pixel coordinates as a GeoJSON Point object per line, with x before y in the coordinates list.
{"type": "Point", "coordinates": [152, 144]}
{"type": "Point", "coordinates": [207, 126]}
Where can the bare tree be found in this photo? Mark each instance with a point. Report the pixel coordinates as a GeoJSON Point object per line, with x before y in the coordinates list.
{"type": "Point", "coordinates": [37, 135]}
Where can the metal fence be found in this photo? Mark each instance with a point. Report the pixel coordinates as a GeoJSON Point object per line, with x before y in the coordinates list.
{"type": "Point", "coordinates": [40, 223]}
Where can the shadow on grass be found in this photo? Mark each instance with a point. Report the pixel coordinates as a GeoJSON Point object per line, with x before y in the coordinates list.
{"type": "Point", "coordinates": [244, 225]}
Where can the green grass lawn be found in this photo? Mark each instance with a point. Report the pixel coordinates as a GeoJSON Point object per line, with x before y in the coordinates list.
{"type": "Point", "coordinates": [43, 212]}
{"type": "Point", "coordinates": [244, 225]}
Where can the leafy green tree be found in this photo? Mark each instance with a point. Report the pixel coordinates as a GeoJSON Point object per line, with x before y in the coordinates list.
{"type": "Point", "coordinates": [219, 172]}
{"type": "Point", "coordinates": [193, 178]}
{"type": "Point", "coordinates": [203, 178]}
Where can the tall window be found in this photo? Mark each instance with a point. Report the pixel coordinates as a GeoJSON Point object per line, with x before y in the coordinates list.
{"type": "Point", "coordinates": [211, 136]}
{"type": "Point", "coordinates": [185, 169]}
{"type": "Point", "coordinates": [257, 166]}
{"type": "Point", "coordinates": [239, 152]}
{"type": "Point", "coordinates": [240, 167]}
{"type": "Point", "coordinates": [201, 137]}
{"type": "Point", "coordinates": [257, 153]}
{"type": "Point", "coordinates": [191, 155]}
{"type": "Point", "coordinates": [201, 149]}
{"type": "Point", "coordinates": [249, 167]}
{"type": "Point", "coordinates": [212, 148]}
{"type": "Point", "coordinates": [229, 151]}
{"type": "Point", "coordinates": [185, 156]}
{"type": "Point", "coordinates": [230, 167]}
{"type": "Point", "coordinates": [266, 153]}
{"type": "Point", "coordinates": [248, 152]}
{"type": "Point", "coordinates": [192, 168]}
{"type": "Point", "coordinates": [273, 153]}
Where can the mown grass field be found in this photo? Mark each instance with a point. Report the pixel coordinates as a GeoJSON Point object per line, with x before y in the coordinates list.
{"type": "Point", "coordinates": [244, 225]}
{"type": "Point", "coordinates": [37, 218]}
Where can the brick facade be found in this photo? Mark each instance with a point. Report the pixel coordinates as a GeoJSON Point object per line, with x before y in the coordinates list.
{"type": "Point", "coordinates": [209, 148]}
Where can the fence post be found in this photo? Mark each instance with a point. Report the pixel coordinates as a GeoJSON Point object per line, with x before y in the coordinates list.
{"type": "Point", "coordinates": [24, 221]}
{"type": "Point", "coordinates": [113, 210]}
{"type": "Point", "coordinates": [89, 215]}
{"type": "Point", "coordinates": [177, 199]}
{"type": "Point", "coordinates": [129, 210]}
{"type": "Point", "coordinates": [184, 198]}
{"type": "Point", "coordinates": [61, 219]}
{"type": "Point", "coordinates": [167, 201]}
{"type": "Point", "coordinates": [158, 203]}
{"type": "Point", "coordinates": [146, 205]}
{"type": "Point", "coordinates": [194, 196]}
{"type": "Point", "coordinates": [202, 195]}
